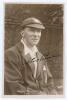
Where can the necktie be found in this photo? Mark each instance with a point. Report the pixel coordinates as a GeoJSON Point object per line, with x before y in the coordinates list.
{"type": "Point", "coordinates": [35, 64]}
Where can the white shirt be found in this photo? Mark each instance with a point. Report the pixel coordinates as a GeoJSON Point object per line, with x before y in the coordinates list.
{"type": "Point", "coordinates": [32, 53]}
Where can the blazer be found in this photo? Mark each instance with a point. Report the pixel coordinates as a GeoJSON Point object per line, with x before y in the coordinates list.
{"type": "Point", "coordinates": [19, 70]}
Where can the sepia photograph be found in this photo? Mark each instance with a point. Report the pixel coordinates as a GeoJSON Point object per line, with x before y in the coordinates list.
{"type": "Point", "coordinates": [33, 49]}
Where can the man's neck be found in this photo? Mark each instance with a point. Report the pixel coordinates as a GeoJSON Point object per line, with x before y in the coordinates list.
{"type": "Point", "coordinates": [29, 46]}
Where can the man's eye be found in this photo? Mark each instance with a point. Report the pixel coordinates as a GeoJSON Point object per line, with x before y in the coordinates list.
{"type": "Point", "coordinates": [35, 30]}
{"type": "Point", "coordinates": [32, 30]}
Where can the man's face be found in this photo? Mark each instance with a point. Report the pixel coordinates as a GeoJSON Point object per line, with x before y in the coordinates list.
{"type": "Point", "coordinates": [32, 36]}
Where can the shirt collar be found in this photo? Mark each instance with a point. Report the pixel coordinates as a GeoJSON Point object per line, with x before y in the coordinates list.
{"type": "Point", "coordinates": [28, 50]}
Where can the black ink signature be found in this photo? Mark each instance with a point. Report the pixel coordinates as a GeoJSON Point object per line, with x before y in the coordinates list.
{"type": "Point", "coordinates": [36, 60]}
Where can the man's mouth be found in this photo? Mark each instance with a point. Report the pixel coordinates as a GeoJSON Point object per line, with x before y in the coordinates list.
{"type": "Point", "coordinates": [35, 39]}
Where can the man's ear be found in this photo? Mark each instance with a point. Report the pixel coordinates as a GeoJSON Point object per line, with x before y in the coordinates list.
{"type": "Point", "coordinates": [22, 33]}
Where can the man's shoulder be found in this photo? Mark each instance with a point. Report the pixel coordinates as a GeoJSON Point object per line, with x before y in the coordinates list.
{"type": "Point", "coordinates": [14, 51]}
{"type": "Point", "coordinates": [11, 49]}
{"type": "Point", "coordinates": [16, 48]}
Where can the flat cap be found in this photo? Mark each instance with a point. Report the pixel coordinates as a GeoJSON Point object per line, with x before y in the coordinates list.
{"type": "Point", "coordinates": [33, 22]}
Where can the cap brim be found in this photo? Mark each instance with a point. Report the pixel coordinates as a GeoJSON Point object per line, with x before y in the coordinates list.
{"type": "Point", "coordinates": [38, 26]}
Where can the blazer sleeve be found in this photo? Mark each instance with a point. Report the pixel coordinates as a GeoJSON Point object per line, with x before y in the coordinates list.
{"type": "Point", "coordinates": [13, 77]}
{"type": "Point", "coordinates": [50, 82]}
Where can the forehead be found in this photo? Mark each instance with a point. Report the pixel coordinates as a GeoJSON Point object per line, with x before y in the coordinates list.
{"type": "Point", "coordinates": [32, 29]}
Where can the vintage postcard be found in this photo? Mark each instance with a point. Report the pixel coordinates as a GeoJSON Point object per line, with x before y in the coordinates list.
{"type": "Point", "coordinates": [33, 49]}
{"type": "Point", "coordinates": [33, 57]}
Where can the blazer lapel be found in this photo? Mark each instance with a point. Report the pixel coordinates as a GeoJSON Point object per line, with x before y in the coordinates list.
{"type": "Point", "coordinates": [30, 62]}
{"type": "Point", "coordinates": [27, 57]}
{"type": "Point", "coordinates": [40, 63]}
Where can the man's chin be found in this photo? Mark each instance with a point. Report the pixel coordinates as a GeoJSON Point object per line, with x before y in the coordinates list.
{"type": "Point", "coordinates": [34, 44]}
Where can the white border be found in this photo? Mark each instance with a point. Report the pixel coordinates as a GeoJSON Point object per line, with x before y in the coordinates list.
{"type": "Point", "coordinates": [2, 46]}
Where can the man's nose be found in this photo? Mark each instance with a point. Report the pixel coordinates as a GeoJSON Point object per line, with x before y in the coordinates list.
{"type": "Point", "coordinates": [36, 33]}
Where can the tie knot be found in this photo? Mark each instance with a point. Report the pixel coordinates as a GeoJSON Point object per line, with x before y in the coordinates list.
{"type": "Point", "coordinates": [34, 59]}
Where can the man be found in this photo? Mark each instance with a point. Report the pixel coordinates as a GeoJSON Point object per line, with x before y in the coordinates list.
{"type": "Point", "coordinates": [26, 70]}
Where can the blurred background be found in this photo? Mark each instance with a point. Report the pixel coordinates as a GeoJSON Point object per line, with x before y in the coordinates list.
{"type": "Point", "coordinates": [51, 43]}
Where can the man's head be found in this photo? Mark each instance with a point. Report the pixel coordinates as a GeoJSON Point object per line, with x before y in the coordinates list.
{"type": "Point", "coordinates": [32, 31]}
